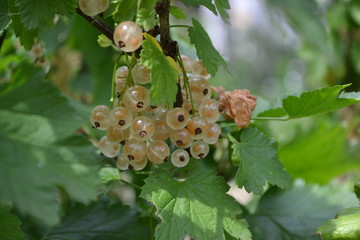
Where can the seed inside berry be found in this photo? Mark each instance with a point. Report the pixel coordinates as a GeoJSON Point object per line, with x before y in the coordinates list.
{"type": "Point", "coordinates": [122, 142]}
{"type": "Point", "coordinates": [181, 118]}
{"type": "Point", "coordinates": [201, 155]}
{"type": "Point", "coordinates": [143, 134]}
{"type": "Point", "coordinates": [198, 131]}
{"type": "Point", "coordinates": [97, 124]}
{"type": "Point", "coordinates": [131, 157]}
{"type": "Point", "coordinates": [121, 44]}
{"type": "Point", "coordinates": [182, 158]}
{"type": "Point", "coordinates": [206, 91]}
{"type": "Point", "coordinates": [179, 142]}
{"type": "Point", "coordinates": [140, 105]}
{"type": "Point", "coordinates": [131, 167]}
{"type": "Point", "coordinates": [122, 122]}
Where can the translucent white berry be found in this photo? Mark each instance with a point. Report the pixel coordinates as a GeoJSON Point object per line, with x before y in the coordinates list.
{"type": "Point", "coordinates": [119, 87]}
{"type": "Point", "coordinates": [162, 130]}
{"type": "Point", "coordinates": [142, 128]}
{"type": "Point", "coordinates": [122, 162]}
{"type": "Point", "coordinates": [140, 74]}
{"type": "Point", "coordinates": [99, 117]}
{"type": "Point", "coordinates": [200, 88]}
{"type": "Point", "coordinates": [93, 7]}
{"type": "Point", "coordinates": [136, 98]}
{"type": "Point", "coordinates": [135, 150]}
{"type": "Point", "coordinates": [180, 158]}
{"type": "Point", "coordinates": [138, 165]}
{"type": "Point", "coordinates": [188, 107]}
{"type": "Point", "coordinates": [213, 133]}
{"type": "Point", "coordinates": [177, 118]}
{"type": "Point", "coordinates": [187, 62]}
{"type": "Point", "coordinates": [108, 148]}
{"type": "Point", "coordinates": [116, 134]}
{"type": "Point", "coordinates": [121, 73]}
{"type": "Point", "coordinates": [198, 127]}
{"type": "Point", "coordinates": [199, 70]}
{"type": "Point", "coordinates": [128, 36]}
{"type": "Point", "coordinates": [121, 117]}
{"type": "Point", "coordinates": [199, 149]}
{"type": "Point", "coordinates": [181, 138]}
{"type": "Point", "coordinates": [157, 152]}
{"type": "Point", "coordinates": [209, 109]}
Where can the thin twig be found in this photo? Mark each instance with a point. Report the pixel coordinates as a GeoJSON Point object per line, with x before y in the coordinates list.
{"type": "Point", "coordinates": [98, 24]}
{"type": "Point", "coordinates": [131, 184]}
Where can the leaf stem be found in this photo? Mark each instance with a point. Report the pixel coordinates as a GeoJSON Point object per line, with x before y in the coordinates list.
{"type": "Point", "coordinates": [130, 184]}
{"type": "Point", "coordinates": [151, 223]}
{"type": "Point", "coordinates": [180, 26]}
{"type": "Point", "coordinates": [116, 65]}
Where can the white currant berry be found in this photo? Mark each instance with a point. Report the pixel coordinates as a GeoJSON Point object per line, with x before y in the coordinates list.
{"type": "Point", "coordinates": [200, 88]}
{"type": "Point", "coordinates": [119, 88]}
{"type": "Point", "coordinates": [116, 134]}
{"type": "Point", "coordinates": [121, 74]}
{"type": "Point", "coordinates": [209, 109]}
{"type": "Point", "coordinates": [177, 118]}
{"type": "Point", "coordinates": [162, 130]}
{"type": "Point", "coordinates": [128, 36]}
{"type": "Point", "coordinates": [122, 162]}
{"type": "Point", "coordinates": [181, 138]}
{"type": "Point", "coordinates": [136, 98]}
{"type": "Point", "coordinates": [121, 117]}
{"type": "Point", "coordinates": [142, 128]}
{"type": "Point", "coordinates": [213, 134]}
{"type": "Point", "coordinates": [140, 165]}
{"type": "Point", "coordinates": [187, 62]}
{"type": "Point", "coordinates": [135, 150]}
{"type": "Point", "coordinates": [199, 149]}
{"type": "Point", "coordinates": [140, 74]}
{"type": "Point", "coordinates": [199, 70]}
{"type": "Point", "coordinates": [108, 148]}
{"type": "Point", "coordinates": [93, 7]}
{"type": "Point", "coordinates": [180, 158]}
{"type": "Point", "coordinates": [188, 106]}
{"type": "Point", "coordinates": [157, 152]}
{"type": "Point", "coordinates": [198, 127]}
{"type": "Point", "coordinates": [99, 117]}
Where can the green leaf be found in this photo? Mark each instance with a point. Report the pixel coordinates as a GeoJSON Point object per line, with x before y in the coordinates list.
{"type": "Point", "coordinates": [323, 145]}
{"type": "Point", "coordinates": [146, 18]}
{"type": "Point", "coordinates": [313, 103]}
{"type": "Point", "coordinates": [164, 73]}
{"type": "Point", "coordinates": [205, 49]}
{"type": "Point", "coordinates": [9, 225]}
{"type": "Point", "coordinates": [4, 14]}
{"type": "Point", "coordinates": [125, 11]}
{"type": "Point", "coordinates": [101, 221]}
{"type": "Point", "coordinates": [197, 3]}
{"type": "Point", "coordinates": [346, 226]}
{"type": "Point", "coordinates": [196, 205]}
{"type": "Point", "coordinates": [256, 156]}
{"type": "Point", "coordinates": [27, 37]}
{"type": "Point", "coordinates": [39, 149]}
{"type": "Point", "coordinates": [222, 6]}
{"type": "Point", "coordinates": [104, 41]}
{"type": "Point", "coordinates": [37, 13]}
{"type": "Point", "coordinates": [296, 213]}
{"type": "Point", "coordinates": [177, 12]}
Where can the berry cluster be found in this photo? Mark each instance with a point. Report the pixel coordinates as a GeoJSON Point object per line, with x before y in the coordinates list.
{"type": "Point", "coordinates": [137, 132]}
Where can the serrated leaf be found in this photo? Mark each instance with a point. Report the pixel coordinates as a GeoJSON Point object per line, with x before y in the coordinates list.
{"type": "Point", "coordinates": [4, 14]}
{"type": "Point", "coordinates": [125, 11]}
{"type": "Point", "coordinates": [256, 156]}
{"type": "Point", "coordinates": [104, 41]}
{"type": "Point", "coordinates": [101, 221]}
{"type": "Point", "coordinates": [26, 37]}
{"type": "Point", "coordinates": [39, 149]}
{"type": "Point", "coordinates": [296, 213]}
{"type": "Point", "coordinates": [177, 12]}
{"type": "Point", "coordinates": [222, 6]}
{"type": "Point", "coordinates": [9, 225]}
{"type": "Point", "coordinates": [324, 145]}
{"type": "Point", "coordinates": [146, 18]}
{"type": "Point", "coordinates": [197, 206]}
{"type": "Point", "coordinates": [164, 74]}
{"type": "Point", "coordinates": [36, 13]}
{"type": "Point", "coordinates": [314, 102]}
{"type": "Point", "coordinates": [205, 49]}
{"type": "Point", "coordinates": [346, 226]}
{"type": "Point", "coordinates": [196, 3]}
